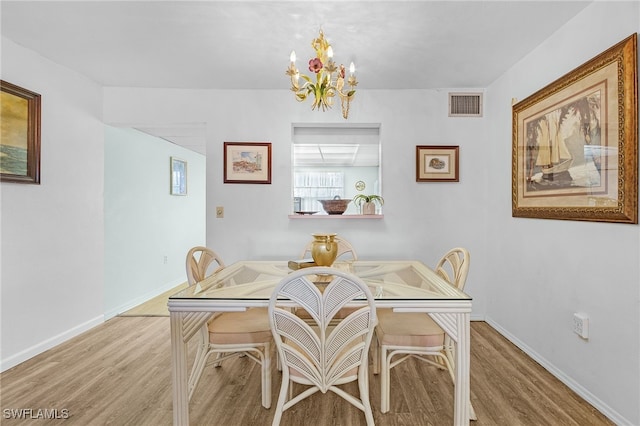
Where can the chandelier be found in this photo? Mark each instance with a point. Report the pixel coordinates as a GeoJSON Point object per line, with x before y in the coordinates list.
{"type": "Point", "coordinates": [329, 81]}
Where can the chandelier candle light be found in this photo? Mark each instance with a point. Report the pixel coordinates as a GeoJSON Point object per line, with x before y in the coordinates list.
{"type": "Point", "coordinates": [326, 85]}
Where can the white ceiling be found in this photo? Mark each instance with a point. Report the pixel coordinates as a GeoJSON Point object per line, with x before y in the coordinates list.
{"type": "Point", "coordinates": [246, 44]}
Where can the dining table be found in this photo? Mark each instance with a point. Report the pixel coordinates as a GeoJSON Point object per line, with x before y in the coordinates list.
{"type": "Point", "coordinates": [402, 285]}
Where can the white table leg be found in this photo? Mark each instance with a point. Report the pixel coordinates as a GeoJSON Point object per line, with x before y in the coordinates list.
{"type": "Point", "coordinates": [179, 370]}
{"type": "Point", "coordinates": [463, 353]}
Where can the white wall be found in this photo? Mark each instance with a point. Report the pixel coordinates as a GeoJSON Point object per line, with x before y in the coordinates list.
{"type": "Point", "coordinates": [52, 233]}
{"type": "Point", "coordinates": [545, 270]}
{"type": "Point", "coordinates": [143, 222]}
{"type": "Point", "coordinates": [421, 220]}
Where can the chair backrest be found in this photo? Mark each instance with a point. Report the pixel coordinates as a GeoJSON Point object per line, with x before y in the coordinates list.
{"type": "Point", "coordinates": [198, 263]}
{"type": "Point", "coordinates": [454, 267]}
{"type": "Point", "coordinates": [320, 354]}
{"type": "Point", "coordinates": [344, 247]}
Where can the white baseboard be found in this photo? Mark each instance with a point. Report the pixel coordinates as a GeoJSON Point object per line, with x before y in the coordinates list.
{"type": "Point", "coordinates": [605, 409]}
{"type": "Point", "coordinates": [34, 350]}
{"type": "Point", "coordinates": [141, 299]}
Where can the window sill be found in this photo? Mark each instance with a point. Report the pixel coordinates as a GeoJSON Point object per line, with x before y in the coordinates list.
{"type": "Point", "coordinates": [336, 216]}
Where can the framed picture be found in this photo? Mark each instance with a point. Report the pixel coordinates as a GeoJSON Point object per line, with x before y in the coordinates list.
{"type": "Point", "coordinates": [437, 163]}
{"type": "Point", "coordinates": [247, 162]}
{"type": "Point", "coordinates": [178, 176]}
{"type": "Point", "coordinates": [575, 143]}
{"type": "Point", "coordinates": [20, 141]}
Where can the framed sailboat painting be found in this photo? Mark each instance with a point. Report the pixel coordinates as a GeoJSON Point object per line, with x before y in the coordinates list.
{"type": "Point", "coordinates": [575, 143]}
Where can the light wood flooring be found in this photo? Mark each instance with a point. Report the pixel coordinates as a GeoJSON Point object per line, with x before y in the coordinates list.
{"type": "Point", "coordinates": [155, 307]}
{"type": "Point", "coordinates": [119, 374]}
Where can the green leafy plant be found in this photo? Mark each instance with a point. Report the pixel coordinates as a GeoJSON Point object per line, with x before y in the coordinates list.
{"type": "Point", "coordinates": [360, 199]}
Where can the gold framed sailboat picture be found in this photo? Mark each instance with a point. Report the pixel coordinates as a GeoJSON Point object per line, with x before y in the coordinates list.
{"type": "Point", "coordinates": [575, 143]}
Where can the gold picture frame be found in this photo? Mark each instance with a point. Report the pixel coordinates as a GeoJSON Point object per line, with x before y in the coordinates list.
{"type": "Point", "coordinates": [575, 143]}
{"type": "Point", "coordinates": [20, 138]}
{"type": "Point", "coordinates": [437, 163]}
{"type": "Point", "coordinates": [178, 176]}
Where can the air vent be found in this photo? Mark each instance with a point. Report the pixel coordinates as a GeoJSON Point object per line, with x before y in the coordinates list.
{"type": "Point", "coordinates": [465, 104]}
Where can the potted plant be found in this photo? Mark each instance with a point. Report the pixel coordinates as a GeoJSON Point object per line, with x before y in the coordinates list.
{"type": "Point", "coordinates": [368, 202]}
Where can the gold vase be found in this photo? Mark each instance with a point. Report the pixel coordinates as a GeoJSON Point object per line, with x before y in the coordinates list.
{"type": "Point", "coordinates": [324, 249]}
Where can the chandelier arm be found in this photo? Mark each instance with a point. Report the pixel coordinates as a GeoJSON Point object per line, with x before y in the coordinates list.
{"type": "Point", "coordinates": [296, 88]}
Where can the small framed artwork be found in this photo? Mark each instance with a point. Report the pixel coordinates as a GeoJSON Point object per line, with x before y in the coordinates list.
{"type": "Point", "coordinates": [20, 141]}
{"type": "Point", "coordinates": [178, 176]}
{"type": "Point", "coordinates": [575, 143]}
{"type": "Point", "coordinates": [247, 162]}
{"type": "Point", "coordinates": [437, 163]}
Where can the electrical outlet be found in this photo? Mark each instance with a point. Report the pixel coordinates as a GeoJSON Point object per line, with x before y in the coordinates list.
{"type": "Point", "coordinates": [219, 212]}
{"type": "Point", "coordinates": [165, 260]}
{"type": "Point", "coordinates": [581, 325]}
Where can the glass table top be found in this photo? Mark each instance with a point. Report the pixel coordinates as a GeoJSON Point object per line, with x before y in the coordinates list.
{"type": "Point", "coordinates": [392, 280]}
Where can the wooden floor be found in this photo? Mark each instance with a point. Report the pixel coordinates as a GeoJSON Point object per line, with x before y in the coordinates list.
{"type": "Point", "coordinates": [119, 374]}
{"type": "Point", "coordinates": [155, 307]}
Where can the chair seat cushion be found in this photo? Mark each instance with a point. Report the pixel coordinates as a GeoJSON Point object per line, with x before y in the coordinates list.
{"type": "Point", "coordinates": [408, 329]}
{"type": "Point", "coordinates": [251, 326]}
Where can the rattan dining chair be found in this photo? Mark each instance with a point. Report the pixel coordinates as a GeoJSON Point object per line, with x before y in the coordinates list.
{"type": "Point", "coordinates": [200, 260]}
{"type": "Point", "coordinates": [229, 334]}
{"type": "Point", "coordinates": [319, 355]}
{"type": "Point", "coordinates": [417, 334]}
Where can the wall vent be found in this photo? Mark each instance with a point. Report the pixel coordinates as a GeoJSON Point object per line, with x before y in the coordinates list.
{"type": "Point", "coordinates": [465, 104]}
